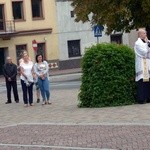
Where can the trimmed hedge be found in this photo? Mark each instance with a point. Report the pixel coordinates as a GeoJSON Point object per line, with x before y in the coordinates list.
{"type": "Point", "coordinates": [108, 76]}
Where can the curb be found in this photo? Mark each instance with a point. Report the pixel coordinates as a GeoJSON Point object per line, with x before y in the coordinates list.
{"type": "Point", "coordinates": [56, 78]}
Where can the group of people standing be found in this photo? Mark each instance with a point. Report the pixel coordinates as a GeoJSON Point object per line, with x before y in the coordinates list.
{"type": "Point", "coordinates": [30, 74]}
{"type": "Point", "coordinates": [37, 73]}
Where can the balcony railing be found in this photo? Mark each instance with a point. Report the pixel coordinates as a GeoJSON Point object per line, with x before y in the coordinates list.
{"type": "Point", "coordinates": [10, 26]}
{"type": "Point", "coordinates": [7, 26]}
{"type": "Point", "coordinates": [7, 29]}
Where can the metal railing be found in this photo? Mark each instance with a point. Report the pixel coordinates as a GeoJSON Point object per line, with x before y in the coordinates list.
{"type": "Point", "coordinates": [7, 26]}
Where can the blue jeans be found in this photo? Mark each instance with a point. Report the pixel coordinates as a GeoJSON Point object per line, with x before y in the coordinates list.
{"type": "Point", "coordinates": [44, 88]}
{"type": "Point", "coordinates": [27, 90]}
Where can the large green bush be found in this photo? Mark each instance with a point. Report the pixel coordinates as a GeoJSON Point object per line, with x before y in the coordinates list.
{"type": "Point", "coordinates": [108, 76]}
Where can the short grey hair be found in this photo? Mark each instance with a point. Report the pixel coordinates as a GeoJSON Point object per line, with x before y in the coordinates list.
{"type": "Point", "coordinates": [8, 57]}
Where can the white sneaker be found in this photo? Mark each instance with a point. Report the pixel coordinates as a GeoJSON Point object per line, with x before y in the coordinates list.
{"type": "Point", "coordinates": [44, 102]}
{"type": "Point", "coordinates": [48, 102]}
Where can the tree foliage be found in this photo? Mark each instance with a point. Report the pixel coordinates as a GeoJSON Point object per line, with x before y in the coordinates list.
{"type": "Point", "coordinates": [117, 15]}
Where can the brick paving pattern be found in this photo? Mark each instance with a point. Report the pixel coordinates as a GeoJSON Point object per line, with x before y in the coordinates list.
{"type": "Point", "coordinates": [98, 136]}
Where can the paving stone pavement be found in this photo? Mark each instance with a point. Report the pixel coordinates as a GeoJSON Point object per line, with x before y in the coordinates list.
{"type": "Point", "coordinates": [63, 125]}
{"type": "Point", "coordinates": [77, 136]}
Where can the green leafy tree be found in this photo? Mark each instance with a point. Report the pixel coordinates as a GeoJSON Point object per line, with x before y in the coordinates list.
{"type": "Point", "coordinates": [117, 15]}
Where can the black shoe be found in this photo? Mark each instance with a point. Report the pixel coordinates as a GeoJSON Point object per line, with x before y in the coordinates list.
{"type": "Point", "coordinates": [141, 102]}
{"type": "Point", "coordinates": [17, 101]}
{"type": "Point", "coordinates": [7, 102]}
{"type": "Point", "coordinates": [148, 100]}
{"type": "Point", "coordinates": [38, 100]}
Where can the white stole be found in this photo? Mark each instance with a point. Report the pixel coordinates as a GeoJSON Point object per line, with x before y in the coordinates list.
{"type": "Point", "coordinates": [145, 71]}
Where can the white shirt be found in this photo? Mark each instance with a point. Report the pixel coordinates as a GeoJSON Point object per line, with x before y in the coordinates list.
{"type": "Point", "coordinates": [41, 68]}
{"type": "Point", "coordinates": [27, 69]}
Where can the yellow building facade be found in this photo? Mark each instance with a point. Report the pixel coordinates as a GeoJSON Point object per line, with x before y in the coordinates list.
{"type": "Point", "coordinates": [25, 21]}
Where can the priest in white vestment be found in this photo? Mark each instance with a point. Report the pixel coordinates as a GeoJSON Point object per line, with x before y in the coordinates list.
{"type": "Point", "coordinates": [142, 67]}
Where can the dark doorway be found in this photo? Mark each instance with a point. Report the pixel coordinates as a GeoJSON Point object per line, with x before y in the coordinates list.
{"type": "Point", "coordinates": [41, 49]}
{"type": "Point", "coordinates": [2, 60]}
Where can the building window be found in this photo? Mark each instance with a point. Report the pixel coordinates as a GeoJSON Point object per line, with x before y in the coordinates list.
{"type": "Point", "coordinates": [19, 50]}
{"type": "Point", "coordinates": [17, 7]}
{"type": "Point", "coordinates": [72, 14]}
{"type": "Point", "coordinates": [116, 38]}
{"type": "Point", "coordinates": [74, 48]}
{"type": "Point", "coordinates": [41, 49]}
{"type": "Point", "coordinates": [37, 11]}
{"type": "Point", "coordinates": [2, 18]}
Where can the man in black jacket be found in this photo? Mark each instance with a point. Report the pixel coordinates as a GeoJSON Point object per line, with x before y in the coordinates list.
{"type": "Point", "coordinates": [10, 74]}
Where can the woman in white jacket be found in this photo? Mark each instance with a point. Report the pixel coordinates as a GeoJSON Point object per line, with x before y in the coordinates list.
{"type": "Point", "coordinates": [27, 73]}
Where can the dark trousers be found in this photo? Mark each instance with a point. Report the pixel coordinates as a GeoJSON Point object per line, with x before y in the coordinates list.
{"type": "Point", "coordinates": [12, 84]}
{"type": "Point", "coordinates": [27, 92]}
{"type": "Point", "coordinates": [143, 91]}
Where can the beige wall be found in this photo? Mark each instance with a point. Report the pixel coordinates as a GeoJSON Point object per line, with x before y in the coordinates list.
{"type": "Point", "coordinates": [49, 21]}
{"type": "Point", "coordinates": [49, 14]}
{"type": "Point", "coordinates": [133, 36]}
